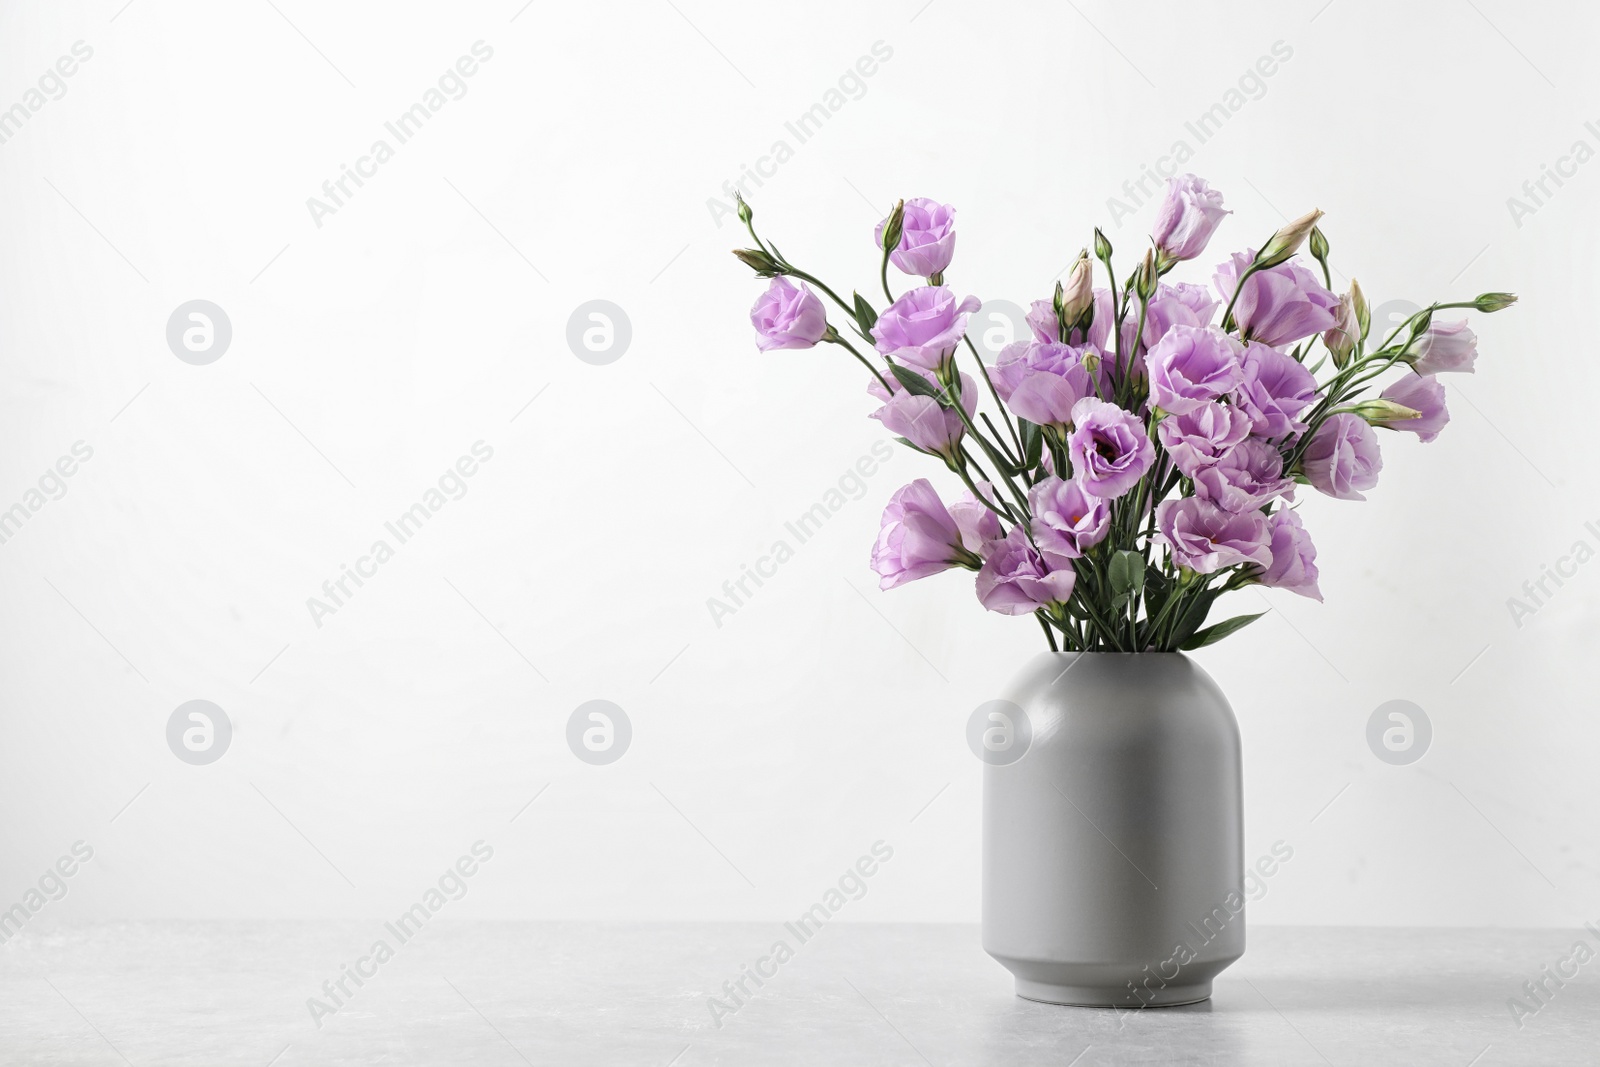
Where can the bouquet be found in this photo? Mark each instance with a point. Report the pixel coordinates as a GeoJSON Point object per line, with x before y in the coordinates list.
{"type": "Point", "coordinates": [1151, 435]}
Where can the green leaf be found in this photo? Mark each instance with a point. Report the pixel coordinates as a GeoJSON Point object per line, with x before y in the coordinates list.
{"type": "Point", "coordinates": [1212, 634]}
{"type": "Point", "coordinates": [1127, 573]}
{"type": "Point", "coordinates": [866, 318]}
{"type": "Point", "coordinates": [1156, 590]}
{"type": "Point", "coordinates": [1191, 616]}
{"type": "Point", "coordinates": [1032, 443]}
{"type": "Point", "coordinates": [916, 383]}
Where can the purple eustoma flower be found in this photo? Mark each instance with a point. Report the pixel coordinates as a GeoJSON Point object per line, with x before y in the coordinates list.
{"type": "Point", "coordinates": [1294, 557]}
{"type": "Point", "coordinates": [1067, 519]}
{"type": "Point", "coordinates": [1108, 447]}
{"type": "Point", "coordinates": [1343, 457]}
{"type": "Point", "coordinates": [1424, 393]}
{"type": "Point", "coordinates": [1016, 580]}
{"type": "Point", "coordinates": [1192, 365]}
{"type": "Point", "coordinates": [1204, 538]}
{"type": "Point", "coordinates": [925, 422]}
{"type": "Point", "coordinates": [1201, 436]}
{"type": "Point", "coordinates": [788, 316]}
{"type": "Point", "coordinates": [927, 237]}
{"type": "Point", "coordinates": [923, 327]}
{"type": "Point", "coordinates": [1279, 305]}
{"type": "Point", "coordinates": [977, 521]}
{"type": "Point", "coordinates": [1189, 214]}
{"type": "Point", "coordinates": [1276, 389]}
{"type": "Point", "coordinates": [1246, 479]}
{"type": "Point", "coordinates": [918, 537]}
{"type": "Point", "coordinates": [1444, 346]}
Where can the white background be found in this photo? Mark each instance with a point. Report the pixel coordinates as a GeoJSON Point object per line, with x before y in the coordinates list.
{"type": "Point", "coordinates": [823, 716]}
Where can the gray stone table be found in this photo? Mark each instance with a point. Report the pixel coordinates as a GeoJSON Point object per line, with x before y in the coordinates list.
{"type": "Point", "coordinates": [572, 993]}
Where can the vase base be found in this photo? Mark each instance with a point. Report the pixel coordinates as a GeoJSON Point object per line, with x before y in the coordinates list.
{"type": "Point", "coordinates": [1095, 996]}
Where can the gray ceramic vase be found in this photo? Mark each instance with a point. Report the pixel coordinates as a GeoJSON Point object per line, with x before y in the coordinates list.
{"type": "Point", "coordinates": [1112, 848]}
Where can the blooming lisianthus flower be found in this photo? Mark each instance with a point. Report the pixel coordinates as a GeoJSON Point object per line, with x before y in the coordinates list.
{"type": "Point", "coordinates": [1275, 390]}
{"type": "Point", "coordinates": [1423, 393]}
{"type": "Point", "coordinates": [1068, 520]}
{"type": "Point", "coordinates": [977, 521]}
{"type": "Point", "coordinates": [1279, 305]}
{"type": "Point", "coordinates": [1294, 557]}
{"type": "Point", "coordinates": [1444, 346]}
{"type": "Point", "coordinates": [918, 537]}
{"type": "Point", "coordinates": [1202, 435]}
{"type": "Point", "coordinates": [1190, 213]}
{"type": "Point", "coordinates": [788, 316]}
{"type": "Point", "coordinates": [1343, 457]}
{"type": "Point", "coordinates": [924, 421]}
{"type": "Point", "coordinates": [1192, 365]}
{"type": "Point", "coordinates": [1204, 538]}
{"type": "Point", "coordinates": [1108, 447]}
{"type": "Point", "coordinates": [1245, 479]}
{"type": "Point", "coordinates": [924, 326]}
{"type": "Point", "coordinates": [1016, 580]}
{"type": "Point", "coordinates": [927, 237]}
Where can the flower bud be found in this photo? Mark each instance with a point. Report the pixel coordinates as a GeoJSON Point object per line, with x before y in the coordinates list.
{"type": "Point", "coordinates": [1490, 302]}
{"type": "Point", "coordinates": [1077, 296]}
{"type": "Point", "coordinates": [1144, 282]}
{"type": "Point", "coordinates": [745, 214]}
{"type": "Point", "coordinates": [1287, 241]}
{"type": "Point", "coordinates": [1102, 247]}
{"type": "Point", "coordinates": [1318, 245]}
{"type": "Point", "coordinates": [1381, 412]}
{"type": "Point", "coordinates": [1342, 337]}
{"type": "Point", "coordinates": [894, 226]}
{"type": "Point", "coordinates": [764, 265]}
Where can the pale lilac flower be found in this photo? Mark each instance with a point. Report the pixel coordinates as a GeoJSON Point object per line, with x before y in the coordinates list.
{"type": "Point", "coordinates": [1068, 520]}
{"type": "Point", "coordinates": [1444, 346]}
{"type": "Point", "coordinates": [1191, 366]}
{"type": "Point", "coordinates": [788, 316]}
{"type": "Point", "coordinates": [977, 522]}
{"type": "Point", "coordinates": [1424, 393]}
{"type": "Point", "coordinates": [1245, 479]}
{"type": "Point", "coordinates": [1294, 557]}
{"type": "Point", "coordinates": [1343, 457]}
{"type": "Point", "coordinates": [918, 537]}
{"type": "Point", "coordinates": [927, 237]}
{"type": "Point", "coordinates": [1276, 389]}
{"type": "Point", "coordinates": [926, 423]}
{"type": "Point", "coordinates": [1181, 304]}
{"type": "Point", "coordinates": [1109, 449]}
{"type": "Point", "coordinates": [923, 327]}
{"type": "Point", "coordinates": [1279, 305]}
{"type": "Point", "coordinates": [1203, 435]}
{"type": "Point", "coordinates": [1204, 538]}
{"type": "Point", "coordinates": [1190, 213]}
{"type": "Point", "coordinates": [1016, 580]}
{"type": "Point", "coordinates": [1021, 359]}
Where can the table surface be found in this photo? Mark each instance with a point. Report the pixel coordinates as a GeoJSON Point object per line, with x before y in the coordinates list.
{"type": "Point", "coordinates": [488, 993]}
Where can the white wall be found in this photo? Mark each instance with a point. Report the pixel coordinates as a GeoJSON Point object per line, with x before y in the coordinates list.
{"type": "Point", "coordinates": [823, 716]}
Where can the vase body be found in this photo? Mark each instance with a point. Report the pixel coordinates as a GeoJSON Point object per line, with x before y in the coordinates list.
{"type": "Point", "coordinates": [1113, 847]}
